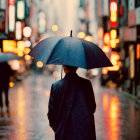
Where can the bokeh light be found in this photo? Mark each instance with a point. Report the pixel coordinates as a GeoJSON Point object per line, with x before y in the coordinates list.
{"type": "Point", "coordinates": [39, 64]}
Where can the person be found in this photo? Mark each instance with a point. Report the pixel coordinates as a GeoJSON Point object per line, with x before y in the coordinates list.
{"type": "Point", "coordinates": [71, 107]}
{"type": "Point", "coordinates": [5, 73]}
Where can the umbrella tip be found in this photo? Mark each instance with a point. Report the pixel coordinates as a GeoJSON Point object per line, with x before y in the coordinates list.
{"type": "Point", "coordinates": [71, 33]}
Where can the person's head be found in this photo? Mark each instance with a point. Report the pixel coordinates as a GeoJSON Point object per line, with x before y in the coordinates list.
{"type": "Point", "coordinates": [68, 69]}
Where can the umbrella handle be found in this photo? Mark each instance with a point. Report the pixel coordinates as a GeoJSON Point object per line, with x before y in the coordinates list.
{"type": "Point", "coordinates": [61, 72]}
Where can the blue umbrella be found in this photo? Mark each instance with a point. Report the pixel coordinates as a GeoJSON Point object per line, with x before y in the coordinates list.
{"type": "Point", "coordinates": [70, 51]}
{"type": "Point", "coordinates": [5, 57]}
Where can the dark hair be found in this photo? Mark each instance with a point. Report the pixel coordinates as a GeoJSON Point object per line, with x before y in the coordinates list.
{"type": "Point", "coordinates": [71, 68]}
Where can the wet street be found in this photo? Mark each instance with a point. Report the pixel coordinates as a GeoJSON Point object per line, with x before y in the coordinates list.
{"type": "Point", "coordinates": [117, 117]}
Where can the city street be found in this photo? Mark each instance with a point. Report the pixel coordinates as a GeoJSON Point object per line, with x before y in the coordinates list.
{"type": "Point", "coordinates": [116, 117]}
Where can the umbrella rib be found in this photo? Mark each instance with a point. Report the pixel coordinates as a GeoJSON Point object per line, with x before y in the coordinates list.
{"type": "Point", "coordinates": [52, 51]}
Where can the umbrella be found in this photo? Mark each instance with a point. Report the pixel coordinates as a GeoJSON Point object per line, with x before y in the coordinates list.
{"type": "Point", "coordinates": [70, 51]}
{"type": "Point", "coordinates": [5, 57]}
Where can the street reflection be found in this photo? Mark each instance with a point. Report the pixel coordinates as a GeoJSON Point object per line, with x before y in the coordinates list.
{"type": "Point", "coordinates": [114, 112]}
{"type": "Point", "coordinates": [21, 115]}
{"type": "Point", "coordinates": [111, 109]}
{"type": "Point", "coordinates": [105, 101]}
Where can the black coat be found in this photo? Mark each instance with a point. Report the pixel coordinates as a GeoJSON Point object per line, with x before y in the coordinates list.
{"type": "Point", "coordinates": [71, 108]}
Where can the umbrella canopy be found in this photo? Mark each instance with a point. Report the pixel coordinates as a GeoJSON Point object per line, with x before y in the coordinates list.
{"type": "Point", "coordinates": [70, 51]}
{"type": "Point", "coordinates": [5, 57]}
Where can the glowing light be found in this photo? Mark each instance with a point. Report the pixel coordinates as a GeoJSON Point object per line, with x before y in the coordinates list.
{"type": "Point", "coordinates": [12, 18]}
{"type": "Point", "coordinates": [27, 50]}
{"type": "Point", "coordinates": [117, 40]}
{"type": "Point", "coordinates": [15, 64]}
{"type": "Point", "coordinates": [105, 101]}
{"type": "Point", "coordinates": [27, 31]}
{"type": "Point", "coordinates": [113, 43]}
{"type": "Point", "coordinates": [106, 49]}
{"type": "Point", "coordinates": [20, 53]}
{"type": "Point", "coordinates": [9, 46]}
{"type": "Point", "coordinates": [113, 34]}
{"type": "Point", "coordinates": [114, 112]}
{"type": "Point", "coordinates": [113, 17]}
{"type": "Point", "coordinates": [39, 64]}
{"type": "Point", "coordinates": [113, 13]}
{"type": "Point", "coordinates": [20, 48]}
{"type": "Point", "coordinates": [138, 51]}
{"type": "Point", "coordinates": [27, 43]}
{"type": "Point", "coordinates": [89, 38]}
{"type": "Point", "coordinates": [113, 6]}
{"type": "Point", "coordinates": [27, 57]}
{"type": "Point", "coordinates": [20, 10]}
{"type": "Point", "coordinates": [107, 38]}
{"type": "Point", "coordinates": [81, 35]}
{"type": "Point", "coordinates": [54, 28]}
{"type": "Point", "coordinates": [115, 61]}
{"type": "Point", "coordinates": [104, 71]}
{"type": "Point", "coordinates": [18, 30]}
{"type": "Point", "coordinates": [11, 84]}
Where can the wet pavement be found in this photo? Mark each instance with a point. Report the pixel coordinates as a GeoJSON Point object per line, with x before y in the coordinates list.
{"type": "Point", "coordinates": [116, 117]}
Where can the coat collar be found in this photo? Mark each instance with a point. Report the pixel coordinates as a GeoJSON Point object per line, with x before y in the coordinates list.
{"type": "Point", "coordinates": [71, 75]}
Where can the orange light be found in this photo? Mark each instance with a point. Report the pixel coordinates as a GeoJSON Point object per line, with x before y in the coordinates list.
{"type": "Point", "coordinates": [106, 38]}
{"type": "Point", "coordinates": [89, 38]}
{"type": "Point", "coordinates": [11, 84]}
{"type": "Point", "coordinates": [20, 48]}
{"type": "Point", "coordinates": [106, 49]}
{"type": "Point", "coordinates": [9, 46]}
{"type": "Point", "coordinates": [138, 51]}
{"type": "Point", "coordinates": [39, 64]}
{"type": "Point", "coordinates": [81, 35]}
{"type": "Point", "coordinates": [105, 101]}
{"type": "Point", "coordinates": [115, 61]}
{"type": "Point", "coordinates": [27, 50]}
{"type": "Point", "coordinates": [105, 71]}
{"type": "Point", "coordinates": [20, 53]}
{"type": "Point", "coordinates": [113, 115]}
{"type": "Point", "coordinates": [27, 57]}
{"type": "Point", "coordinates": [113, 34]}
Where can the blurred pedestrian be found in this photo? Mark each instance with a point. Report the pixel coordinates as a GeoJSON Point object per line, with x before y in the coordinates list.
{"type": "Point", "coordinates": [5, 73]}
{"type": "Point", "coordinates": [71, 107]}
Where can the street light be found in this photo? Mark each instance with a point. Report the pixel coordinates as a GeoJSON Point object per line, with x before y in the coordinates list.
{"type": "Point", "coordinates": [54, 28]}
{"type": "Point", "coordinates": [81, 35]}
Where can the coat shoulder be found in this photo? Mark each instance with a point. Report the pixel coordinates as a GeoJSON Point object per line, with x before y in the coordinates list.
{"type": "Point", "coordinates": [84, 80]}
{"type": "Point", "coordinates": [57, 83]}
